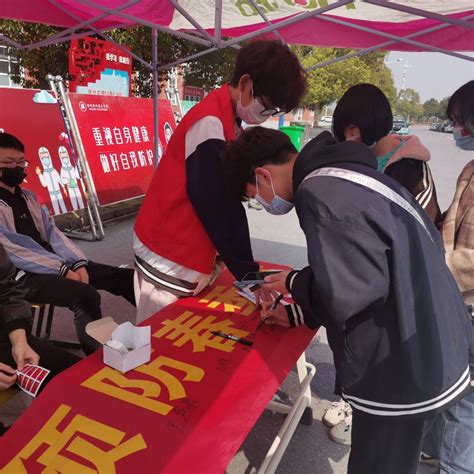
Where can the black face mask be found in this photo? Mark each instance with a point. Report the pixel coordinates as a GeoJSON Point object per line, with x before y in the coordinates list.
{"type": "Point", "coordinates": [13, 176]}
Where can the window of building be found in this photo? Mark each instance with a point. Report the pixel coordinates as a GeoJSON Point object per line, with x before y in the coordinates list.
{"type": "Point", "coordinates": [6, 67]}
{"type": "Point", "coordinates": [299, 115]}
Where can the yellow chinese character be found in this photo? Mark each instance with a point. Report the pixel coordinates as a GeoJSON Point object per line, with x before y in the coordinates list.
{"type": "Point", "coordinates": [55, 457]}
{"type": "Point", "coordinates": [197, 329]}
{"type": "Point", "coordinates": [231, 300]}
{"type": "Point", "coordinates": [116, 384]}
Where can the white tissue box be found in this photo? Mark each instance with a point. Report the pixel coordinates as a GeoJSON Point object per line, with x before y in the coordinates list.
{"type": "Point", "coordinates": [125, 345]}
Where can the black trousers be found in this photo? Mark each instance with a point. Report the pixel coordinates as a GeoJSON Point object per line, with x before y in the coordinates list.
{"type": "Point", "coordinates": [83, 300]}
{"type": "Point", "coordinates": [51, 357]}
{"type": "Point", "coordinates": [382, 445]}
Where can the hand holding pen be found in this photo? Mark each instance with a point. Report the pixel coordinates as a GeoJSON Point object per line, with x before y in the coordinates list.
{"type": "Point", "coordinates": [266, 307]}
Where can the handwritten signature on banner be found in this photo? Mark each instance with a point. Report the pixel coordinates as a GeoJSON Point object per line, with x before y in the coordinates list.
{"type": "Point", "coordinates": [74, 439]}
{"type": "Point", "coordinates": [160, 387]}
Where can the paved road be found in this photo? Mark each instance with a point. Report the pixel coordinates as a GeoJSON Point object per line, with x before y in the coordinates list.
{"type": "Point", "coordinates": [279, 239]}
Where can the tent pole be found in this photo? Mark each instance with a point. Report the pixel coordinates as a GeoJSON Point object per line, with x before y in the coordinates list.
{"type": "Point", "coordinates": [218, 23]}
{"type": "Point", "coordinates": [102, 34]}
{"type": "Point", "coordinates": [154, 65]}
{"type": "Point", "coordinates": [187, 59]}
{"type": "Point", "coordinates": [192, 21]}
{"type": "Point", "coordinates": [423, 13]}
{"type": "Point", "coordinates": [11, 42]}
{"type": "Point", "coordinates": [381, 45]}
{"type": "Point", "coordinates": [289, 21]}
{"type": "Point", "coordinates": [397, 39]}
{"type": "Point", "coordinates": [80, 25]}
{"type": "Point", "coordinates": [266, 20]}
{"type": "Point", "coordinates": [150, 24]}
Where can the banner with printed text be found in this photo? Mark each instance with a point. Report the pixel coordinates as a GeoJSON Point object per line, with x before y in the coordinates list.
{"type": "Point", "coordinates": [53, 174]}
{"type": "Point", "coordinates": [187, 410]}
{"type": "Point", "coordinates": [117, 135]}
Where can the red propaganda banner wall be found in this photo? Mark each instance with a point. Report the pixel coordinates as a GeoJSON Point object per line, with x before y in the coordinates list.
{"type": "Point", "coordinates": [34, 117]}
{"type": "Point", "coordinates": [186, 411]}
{"type": "Point", "coordinates": [117, 134]}
{"type": "Point", "coordinates": [99, 67]}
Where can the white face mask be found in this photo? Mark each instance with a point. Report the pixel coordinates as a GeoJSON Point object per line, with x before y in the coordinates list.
{"type": "Point", "coordinates": [251, 113]}
{"type": "Point", "coordinates": [278, 206]}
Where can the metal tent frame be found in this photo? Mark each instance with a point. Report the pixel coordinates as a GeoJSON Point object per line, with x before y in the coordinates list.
{"type": "Point", "coordinates": [216, 42]}
{"type": "Point", "coordinates": [213, 43]}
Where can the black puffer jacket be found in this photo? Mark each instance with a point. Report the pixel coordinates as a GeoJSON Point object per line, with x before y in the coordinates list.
{"type": "Point", "coordinates": [14, 310]}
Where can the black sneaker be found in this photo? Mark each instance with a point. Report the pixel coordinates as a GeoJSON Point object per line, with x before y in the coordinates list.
{"type": "Point", "coordinates": [430, 460]}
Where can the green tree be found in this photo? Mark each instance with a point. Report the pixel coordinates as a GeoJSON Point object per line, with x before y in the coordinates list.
{"type": "Point", "coordinates": [327, 84]}
{"type": "Point", "coordinates": [408, 104]}
{"type": "Point", "coordinates": [208, 71]}
{"type": "Point", "coordinates": [431, 108]}
{"type": "Point", "coordinates": [443, 107]}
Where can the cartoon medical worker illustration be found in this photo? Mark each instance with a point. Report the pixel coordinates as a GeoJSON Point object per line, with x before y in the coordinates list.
{"type": "Point", "coordinates": [70, 177]}
{"type": "Point", "coordinates": [51, 180]}
{"type": "Point", "coordinates": [168, 129]}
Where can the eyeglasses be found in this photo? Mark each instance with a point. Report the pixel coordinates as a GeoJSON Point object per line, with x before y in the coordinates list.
{"type": "Point", "coordinates": [268, 111]}
{"type": "Point", "coordinates": [14, 164]}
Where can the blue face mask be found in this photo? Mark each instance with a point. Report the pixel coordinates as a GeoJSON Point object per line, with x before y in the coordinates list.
{"type": "Point", "coordinates": [46, 162]}
{"type": "Point", "coordinates": [463, 142]}
{"type": "Point", "coordinates": [278, 206]}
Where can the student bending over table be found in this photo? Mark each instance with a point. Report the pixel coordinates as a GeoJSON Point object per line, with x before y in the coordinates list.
{"type": "Point", "coordinates": [377, 281]}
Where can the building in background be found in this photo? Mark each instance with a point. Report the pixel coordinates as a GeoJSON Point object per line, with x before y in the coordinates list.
{"type": "Point", "coordinates": [6, 67]}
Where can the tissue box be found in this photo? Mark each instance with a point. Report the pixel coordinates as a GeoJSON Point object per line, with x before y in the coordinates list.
{"type": "Point", "coordinates": [137, 342]}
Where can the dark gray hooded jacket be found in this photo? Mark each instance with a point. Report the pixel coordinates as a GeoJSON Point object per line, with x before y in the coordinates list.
{"type": "Point", "coordinates": [395, 318]}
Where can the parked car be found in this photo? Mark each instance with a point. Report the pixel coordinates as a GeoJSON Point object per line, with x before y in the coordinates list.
{"type": "Point", "coordinates": [325, 121]}
{"type": "Point", "coordinates": [435, 126]}
{"type": "Point", "coordinates": [400, 125]}
{"type": "Point", "coordinates": [448, 126]}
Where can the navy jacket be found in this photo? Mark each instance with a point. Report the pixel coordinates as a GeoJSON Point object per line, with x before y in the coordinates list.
{"type": "Point", "coordinates": [395, 319]}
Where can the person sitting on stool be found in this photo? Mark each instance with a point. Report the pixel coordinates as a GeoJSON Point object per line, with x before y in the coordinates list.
{"type": "Point", "coordinates": [52, 269]}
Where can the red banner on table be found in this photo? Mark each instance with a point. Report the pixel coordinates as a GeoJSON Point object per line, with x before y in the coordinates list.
{"type": "Point", "coordinates": [34, 117]}
{"type": "Point", "coordinates": [187, 410]}
{"type": "Point", "coordinates": [117, 135]}
{"type": "Point", "coordinates": [99, 67]}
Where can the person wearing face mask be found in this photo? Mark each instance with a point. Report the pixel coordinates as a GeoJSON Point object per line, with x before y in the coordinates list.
{"type": "Point", "coordinates": [187, 218]}
{"type": "Point", "coordinates": [376, 280]}
{"type": "Point", "coordinates": [450, 440]}
{"type": "Point", "coordinates": [364, 114]}
{"type": "Point", "coordinates": [51, 268]}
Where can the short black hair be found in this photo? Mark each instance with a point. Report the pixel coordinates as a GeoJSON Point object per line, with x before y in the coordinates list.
{"type": "Point", "coordinates": [461, 106]}
{"type": "Point", "coordinates": [364, 106]}
{"type": "Point", "coordinates": [10, 141]}
{"type": "Point", "coordinates": [256, 146]}
{"type": "Point", "coordinates": [275, 70]}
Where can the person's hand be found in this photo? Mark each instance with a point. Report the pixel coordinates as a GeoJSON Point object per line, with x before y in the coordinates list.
{"type": "Point", "coordinates": [7, 376]}
{"type": "Point", "coordinates": [264, 294]}
{"type": "Point", "coordinates": [23, 354]}
{"type": "Point", "coordinates": [277, 282]}
{"type": "Point", "coordinates": [38, 170]}
{"type": "Point", "coordinates": [275, 316]}
{"type": "Point", "coordinates": [73, 275]}
{"type": "Point", "coordinates": [83, 275]}
{"type": "Point", "coordinates": [21, 351]}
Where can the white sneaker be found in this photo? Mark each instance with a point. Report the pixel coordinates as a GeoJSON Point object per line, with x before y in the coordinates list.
{"type": "Point", "coordinates": [342, 432]}
{"type": "Point", "coordinates": [337, 412]}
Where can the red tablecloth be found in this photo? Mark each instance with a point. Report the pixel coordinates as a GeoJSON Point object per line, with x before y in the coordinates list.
{"type": "Point", "coordinates": [187, 410]}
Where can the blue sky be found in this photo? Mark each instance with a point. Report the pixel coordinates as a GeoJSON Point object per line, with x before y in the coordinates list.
{"type": "Point", "coordinates": [431, 74]}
